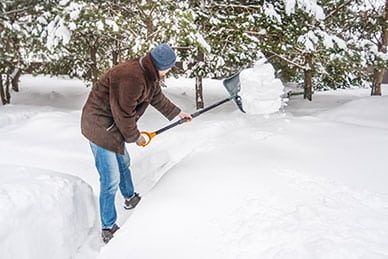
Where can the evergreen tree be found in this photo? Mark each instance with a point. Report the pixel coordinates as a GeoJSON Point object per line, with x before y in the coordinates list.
{"type": "Point", "coordinates": [371, 39]}
{"type": "Point", "coordinates": [19, 30]}
{"type": "Point", "coordinates": [103, 34]}
{"type": "Point", "coordinates": [22, 45]}
{"type": "Point", "coordinates": [329, 44]}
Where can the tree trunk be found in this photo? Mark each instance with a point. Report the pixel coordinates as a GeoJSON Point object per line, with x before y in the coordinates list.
{"type": "Point", "coordinates": [308, 77]}
{"type": "Point", "coordinates": [2, 94]}
{"type": "Point", "coordinates": [149, 20]}
{"type": "Point", "coordinates": [115, 57]}
{"type": "Point", "coordinates": [93, 67]}
{"type": "Point", "coordinates": [4, 89]}
{"type": "Point", "coordinates": [379, 72]}
{"type": "Point", "coordinates": [15, 80]}
{"type": "Point", "coordinates": [7, 88]}
{"type": "Point", "coordinates": [198, 84]}
{"type": "Point", "coordinates": [377, 81]}
{"type": "Point", "coordinates": [198, 92]}
{"type": "Point", "coordinates": [116, 52]}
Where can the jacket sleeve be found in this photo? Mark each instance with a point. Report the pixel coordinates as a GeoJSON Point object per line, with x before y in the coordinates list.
{"type": "Point", "coordinates": [123, 100]}
{"type": "Point", "coordinates": [164, 105]}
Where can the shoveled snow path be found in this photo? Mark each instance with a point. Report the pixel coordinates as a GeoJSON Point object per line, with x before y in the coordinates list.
{"type": "Point", "coordinates": [157, 159]}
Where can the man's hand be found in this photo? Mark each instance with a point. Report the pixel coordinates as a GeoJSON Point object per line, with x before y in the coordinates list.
{"type": "Point", "coordinates": [140, 141]}
{"type": "Point", "coordinates": [185, 115]}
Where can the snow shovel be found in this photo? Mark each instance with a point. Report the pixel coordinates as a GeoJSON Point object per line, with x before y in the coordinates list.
{"type": "Point", "coordinates": [232, 85]}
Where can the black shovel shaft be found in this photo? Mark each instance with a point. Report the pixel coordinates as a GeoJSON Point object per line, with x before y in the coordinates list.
{"type": "Point", "coordinates": [196, 114]}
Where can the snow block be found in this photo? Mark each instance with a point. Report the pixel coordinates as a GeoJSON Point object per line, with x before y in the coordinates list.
{"type": "Point", "coordinates": [43, 214]}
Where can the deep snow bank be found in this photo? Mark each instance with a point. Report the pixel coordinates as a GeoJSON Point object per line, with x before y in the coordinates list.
{"type": "Point", "coordinates": [43, 214]}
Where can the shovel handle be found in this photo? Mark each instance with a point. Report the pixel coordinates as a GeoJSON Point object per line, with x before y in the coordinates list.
{"type": "Point", "coordinates": [148, 137]}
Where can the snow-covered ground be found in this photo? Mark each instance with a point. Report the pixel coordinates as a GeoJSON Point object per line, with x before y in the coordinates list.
{"type": "Point", "coordinates": [308, 181]}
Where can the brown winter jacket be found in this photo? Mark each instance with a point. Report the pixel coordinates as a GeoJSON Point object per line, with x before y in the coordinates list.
{"type": "Point", "coordinates": [118, 99]}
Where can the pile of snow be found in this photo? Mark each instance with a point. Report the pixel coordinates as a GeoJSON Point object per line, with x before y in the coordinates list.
{"type": "Point", "coordinates": [261, 92]}
{"type": "Point", "coordinates": [43, 214]}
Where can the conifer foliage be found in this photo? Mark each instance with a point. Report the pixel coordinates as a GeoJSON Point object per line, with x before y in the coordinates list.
{"type": "Point", "coordinates": [332, 43]}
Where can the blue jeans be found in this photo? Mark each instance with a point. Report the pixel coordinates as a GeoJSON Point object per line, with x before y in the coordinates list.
{"type": "Point", "coordinates": [114, 173]}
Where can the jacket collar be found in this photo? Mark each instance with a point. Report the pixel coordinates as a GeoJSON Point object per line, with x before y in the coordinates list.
{"type": "Point", "coordinates": [149, 68]}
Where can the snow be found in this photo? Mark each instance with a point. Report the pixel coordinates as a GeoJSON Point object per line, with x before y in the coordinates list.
{"type": "Point", "coordinates": [290, 6]}
{"type": "Point", "coordinates": [306, 181]}
{"type": "Point", "coordinates": [202, 42]}
{"type": "Point", "coordinates": [44, 214]}
{"type": "Point", "coordinates": [260, 90]}
{"type": "Point", "coordinates": [310, 6]}
{"type": "Point", "coordinates": [57, 31]}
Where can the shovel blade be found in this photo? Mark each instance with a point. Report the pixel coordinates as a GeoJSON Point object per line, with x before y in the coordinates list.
{"type": "Point", "coordinates": [233, 86]}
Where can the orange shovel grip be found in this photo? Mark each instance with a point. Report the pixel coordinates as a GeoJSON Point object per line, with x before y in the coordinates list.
{"type": "Point", "coordinates": [148, 136]}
